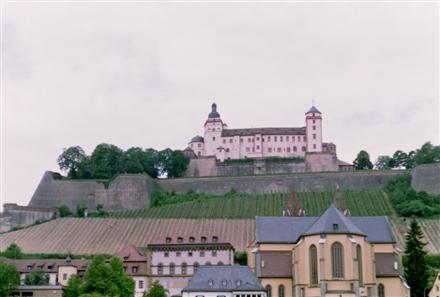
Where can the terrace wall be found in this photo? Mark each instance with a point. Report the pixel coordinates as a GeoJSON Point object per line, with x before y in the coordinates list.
{"type": "Point", "coordinates": [426, 178]}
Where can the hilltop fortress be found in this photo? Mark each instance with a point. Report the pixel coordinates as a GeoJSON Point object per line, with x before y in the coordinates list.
{"type": "Point", "coordinates": [295, 149]}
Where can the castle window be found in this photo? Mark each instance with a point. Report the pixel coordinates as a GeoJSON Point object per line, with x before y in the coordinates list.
{"type": "Point", "coordinates": [258, 147]}
{"type": "Point", "coordinates": [268, 138]}
{"type": "Point", "coordinates": [248, 149]}
{"type": "Point", "coordinates": [314, 136]}
{"type": "Point", "coordinates": [269, 290]}
{"type": "Point", "coordinates": [269, 149]}
{"type": "Point", "coordinates": [359, 264]}
{"type": "Point", "coordinates": [294, 148]}
{"type": "Point", "coordinates": [214, 253]}
{"type": "Point", "coordinates": [160, 269]}
{"type": "Point", "coordinates": [287, 138]}
{"type": "Point", "coordinates": [241, 140]}
{"type": "Point", "coordinates": [313, 258]}
{"type": "Point", "coordinates": [288, 149]}
{"type": "Point", "coordinates": [279, 150]}
{"type": "Point", "coordinates": [213, 138]}
{"type": "Point", "coordinates": [199, 145]}
{"type": "Point", "coordinates": [249, 140]}
{"type": "Point", "coordinates": [337, 260]}
{"type": "Point", "coordinates": [172, 268]}
{"type": "Point", "coordinates": [314, 121]}
{"type": "Point", "coordinates": [281, 291]}
{"type": "Point", "coordinates": [199, 154]}
{"type": "Point", "coordinates": [230, 140]}
{"type": "Point", "coordinates": [184, 268]}
{"type": "Point", "coordinates": [190, 254]}
{"type": "Point", "coordinates": [224, 140]}
{"type": "Point", "coordinates": [227, 150]}
{"type": "Point", "coordinates": [178, 254]}
{"type": "Point", "coordinates": [303, 148]}
{"type": "Point", "coordinates": [381, 290]}
{"type": "Point", "coordinates": [275, 138]}
{"type": "Point", "coordinates": [314, 146]}
{"type": "Point", "coordinates": [202, 253]}
{"type": "Point", "coordinates": [141, 284]}
{"type": "Point", "coordinates": [281, 138]}
{"type": "Point", "coordinates": [258, 138]}
{"type": "Point", "coordinates": [314, 127]}
{"type": "Point", "coordinates": [166, 254]}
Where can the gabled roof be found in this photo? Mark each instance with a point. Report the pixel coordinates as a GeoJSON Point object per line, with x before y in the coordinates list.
{"type": "Point", "coordinates": [313, 109]}
{"type": "Point", "coordinates": [332, 221]}
{"type": "Point", "coordinates": [264, 131]}
{"type": "Point", "coordinates": [223, 279]}
{"type": "Point", "coordinates": [291, 229]}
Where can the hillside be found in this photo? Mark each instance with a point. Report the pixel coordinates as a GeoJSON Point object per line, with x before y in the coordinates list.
{"type": "Point", "coordinates": [372, 202]}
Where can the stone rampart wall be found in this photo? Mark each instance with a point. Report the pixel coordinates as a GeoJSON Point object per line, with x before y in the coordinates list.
{"type": "Point", "coordinates": [426, 178]}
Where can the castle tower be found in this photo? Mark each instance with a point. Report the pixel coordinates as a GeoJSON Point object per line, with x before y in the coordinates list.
{"type": "Point", "coordinates": [314, 130]}
{"type": "Point", "coordinates": [213, 130]}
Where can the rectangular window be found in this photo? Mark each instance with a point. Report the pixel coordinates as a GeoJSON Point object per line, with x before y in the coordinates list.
{"type": "Point", "coordinates": [178, 254]}
{"type": "Point", "coordinates": [279, 150]}
{"type": "Point", "coordinates": [248, 149]}
{"type": "Point", "coordinates": [227, 150]}
{"type": "Point", "coordinates": [268, 138]}
{"type": "Point", "coordinates": [313, 121]}
{"type": "Point", "coordinates": [314, 136]}
{"type": "Point", "coordinates": [214, 253]}
{"type": "Point", "coordinates": [213, 138]}
{"type": "Point", "coordinates": [249, 140]}
{"type": "Point", "coordinates": [64, 276]}
{"type": "Point", "coordinates": [258, 147]}
{"type": "Point", "coordinates": [166, 254]}
{"type": "Point", "coordinates": [304, 138]}
{"type": "Point", "coordinates": [241, 140]}
{"type": "Point", "coordinates": [230, 140]}
{"type": "Point", "coordinates": [134, 269]}
{"type": "Point", "coordinates": [281, 138]}
{"type": "Point", "coordinates": [314, 146]}
{"type": "Point", "coordinates": [190, 254]}
{"type": "Point", "coordinates": [141, 284]}
{"type": "Point", "coordinates": [303, 148]}
{"type": "Point", "coordinates": [258, 138]}
{"type": "Point", "coordinates": [202, 253]}
{"type": "Point", "coordinates": [275, 138]}
{"type": "Point", "coordinates": [294, 148]}
{"type": "Point", "coordinates": [224, 140]}
{"type": "Point", "coordinates": [314, 127]}
{"type": "Point", "coordinates": [269, 149]}
{"type": "Point", "coordinates": [288, 149]}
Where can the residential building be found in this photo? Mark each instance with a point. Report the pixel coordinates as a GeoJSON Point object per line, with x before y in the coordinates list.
{"type": "Point", "coordinates": [135, 265]}
{"type": "Point", "coordinates": [224, 281]}
{"type": "Point", "coordinates": [174, 260]}
{"type": "Point", "coordinates": [329, 255]}
{"type": "Point", "coordinates": [38, 291]}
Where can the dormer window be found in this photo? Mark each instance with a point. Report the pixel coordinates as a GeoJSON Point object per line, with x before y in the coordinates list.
{"type": "Point", "coordinates": [179, 239]}
{"type": "Point", "coordinates": [214, 239]}
{"type": "Point", "coordinates": [211, 283]}
{"type": "Point", "coordinates": [168, 240]}
{"type": "Point", "coordinates": [224, 283]}
{"type": "Point", "coordinates": [203, 239]}
{"type": "Point", "coordinates": [125, 258]}
{"type": "Point", "coordinates": [134, 269]}
{"type": "Point", "coordinates": [29, 267]}
{"type": "Point", "coordinates": [40, 267]}
{"type": "Point", "coordinates": [335, 227]}
{"type": "Point", "coordinates": [192, 239]}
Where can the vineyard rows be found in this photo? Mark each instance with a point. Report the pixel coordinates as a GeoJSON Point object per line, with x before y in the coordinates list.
{"type": "Point", "coordinates": [359, 202]}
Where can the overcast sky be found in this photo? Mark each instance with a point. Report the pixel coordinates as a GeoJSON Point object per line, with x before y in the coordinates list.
{"type": "Point", "coordinates": [145, 74]}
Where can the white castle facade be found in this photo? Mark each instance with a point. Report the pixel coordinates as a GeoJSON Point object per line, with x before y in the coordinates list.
{"type": "Point", "coordinates": [223, 143]}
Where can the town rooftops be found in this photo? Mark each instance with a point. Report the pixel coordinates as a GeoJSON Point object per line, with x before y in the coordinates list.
{"type": "Point", "coordinates": [133, 254]}
{"type": "Point", "coordinates": [223, 279]}
{"type": "Point", "coordinates": [47, 265]}
{"type": "Point", "coordinates": [190, 241]}
{"type": "Point", "coordinates": [313, 109]}
{"type": "Point", "coordinates": [264, 131]}
{"type": "Point", "coordinates": [291, 229]}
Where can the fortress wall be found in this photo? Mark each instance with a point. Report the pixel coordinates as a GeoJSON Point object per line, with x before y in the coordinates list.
{"type": "Point", "coordinates": [279, 183]}
{"type": "Point", "coordinates": [20, 218]}
{"type": "Point", "coordinates": [127, 191]}
{"type": "Point", "coordinates": [53, 193]}
{"type": "Point", "coordinates": [426, 178]}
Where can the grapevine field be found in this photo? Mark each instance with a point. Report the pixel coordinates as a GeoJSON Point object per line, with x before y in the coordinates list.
{"type": "Point", "coordinates": [360, 203]}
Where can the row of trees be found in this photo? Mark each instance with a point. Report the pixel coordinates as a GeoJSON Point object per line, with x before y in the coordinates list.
{"type": "Point", "coordinates": [108, 160]}
{"type": "Point", "coordinates": [427, 154]}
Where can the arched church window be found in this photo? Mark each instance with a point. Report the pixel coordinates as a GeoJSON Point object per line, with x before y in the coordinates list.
{"type": "Point", "coordinates": [313, 258]}
{"type": "Point", "coordinates": [337, 260]}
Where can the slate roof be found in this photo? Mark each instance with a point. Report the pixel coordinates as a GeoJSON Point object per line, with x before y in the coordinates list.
{"type": "Point", "coordinates": [264, 131]}
{"type": "Point", "coordinates": [213, 113]}
{"type": "Point", "coordinates": [385, 264]}
{"type": "Point", "coordinates": [291, 229]}
{"type": "Point", "coordinates": [332, 221]}
{"type": "Point", "coordinates": [223, 279]}
{"type": "Point", "coordinates": [197, 138]}
{"type": "Point", "coordinates": [313, 109]}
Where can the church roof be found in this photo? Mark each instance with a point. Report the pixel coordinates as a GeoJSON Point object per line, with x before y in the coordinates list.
{"type": "Point", "coordinates": [313, 109]}
{"type": "Point", "coordinates": [213, 113]}
{"type": "Point", "coordinates": [264, 131]}
{"type": "Point", "coordinates": [291, 229]}
{"type": "Point", "coordinates": [332, 221]}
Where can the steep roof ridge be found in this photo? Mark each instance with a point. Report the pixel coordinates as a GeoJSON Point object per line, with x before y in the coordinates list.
{"type": "Point", "coordinates": [333, 221]}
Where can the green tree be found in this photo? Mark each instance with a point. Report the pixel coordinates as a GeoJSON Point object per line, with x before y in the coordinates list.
{"type": "Point", "coordinates": [64, 211]}
{"type": "Point", "coordinates": [73, 288]}
{"type": "Point", "coordinates": [362, 161]}
{"type": "Point", "coordinates": [13, 252]}
{"type": "Point", "coordinates": [400, 158]}
{"type": "Point", "coordinates": [101, 212]}
{"type": "Point", "coordinates": [107, 279]}
{"type": "Point", "coordinates": [172, 163]}
{"type": "Point", "coordinates": [427, 154]}
{"type": "Point", "coordinates": [384, 162]}
{"type": "Point", "coordinates": [36, 278]}
{"type": "Point", "coordinates": [415, 266]}
{"type": "Point", "coordinates": [240, 258]}
{"type": "Point", "coordinates": [137, 160]}
{"type": "Point", "coordinates": [9, 279]}
{"type": "Point", "coordinates": [155, 290]}
{"type": "Point", "coordinates": [70, 160]}
{"type": "Point", "coordinates": [106, 161]}
{"type": "Point", "coordinates": [81, 211]}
